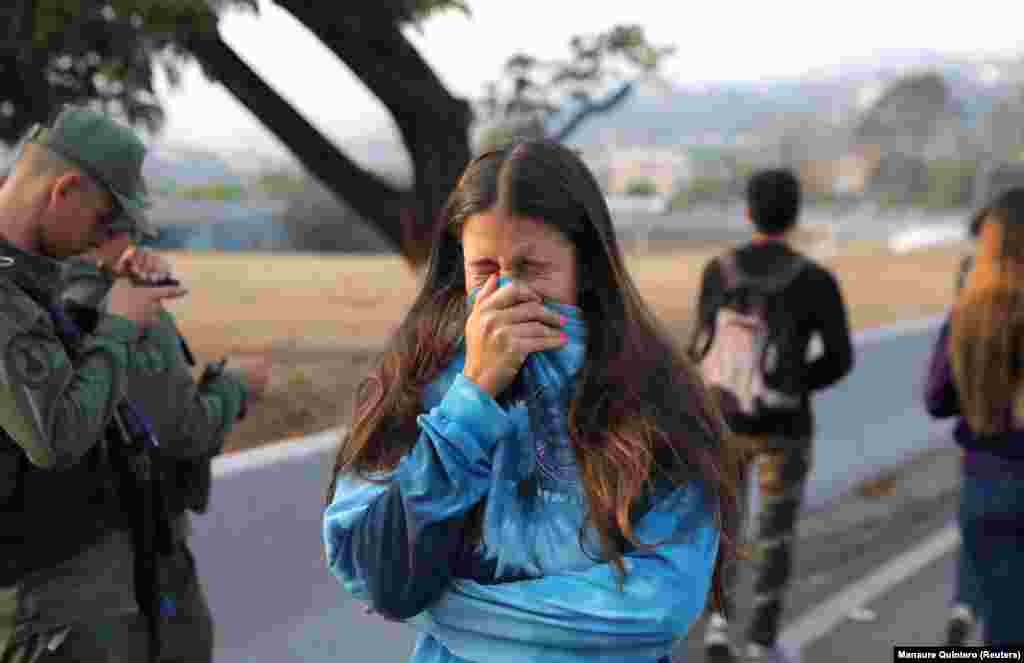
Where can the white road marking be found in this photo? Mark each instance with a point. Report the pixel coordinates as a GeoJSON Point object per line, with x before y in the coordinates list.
{"type": "Point", "coordinates": [819, 620]}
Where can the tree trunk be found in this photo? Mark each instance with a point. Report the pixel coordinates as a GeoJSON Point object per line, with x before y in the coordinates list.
{"type": "Point", "coordinates": [434, 125]}
{"type": "Point", "coordinates": [32, 95]}
{"type": "Point", "coordinates": [374, 199]}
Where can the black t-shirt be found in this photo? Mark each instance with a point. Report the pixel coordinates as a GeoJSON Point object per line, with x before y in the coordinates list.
{"type": "Point", "coordinates": [814, 300]}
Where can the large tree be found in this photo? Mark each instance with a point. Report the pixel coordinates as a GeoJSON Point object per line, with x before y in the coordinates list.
{"type": "Point", "coordinates": [105, 51]}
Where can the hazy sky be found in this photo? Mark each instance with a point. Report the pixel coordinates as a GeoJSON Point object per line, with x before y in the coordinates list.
{"type": "Point", "coordinates": [716, 40]}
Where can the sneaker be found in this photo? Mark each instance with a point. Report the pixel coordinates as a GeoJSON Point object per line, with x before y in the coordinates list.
{"type": "Point", "coordinates": [717, 647]}
{"type": "Point", "coordinates": [960, 625]}
{"type": "Point", "coordinates": [766, 653]}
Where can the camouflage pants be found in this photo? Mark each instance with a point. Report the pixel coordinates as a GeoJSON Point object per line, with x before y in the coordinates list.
{"type": "Point", "coordinates": [782, 468]}
{"type": "Point", "coordinates": [186, 635]}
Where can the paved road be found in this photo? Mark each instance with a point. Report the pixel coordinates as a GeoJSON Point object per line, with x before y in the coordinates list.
{"type": "Point", "coordinates": [913, 612]}
{"type": "Point", "coordinates": [901, 558]}
{"type": "Point", "coordinates": [840, 545]}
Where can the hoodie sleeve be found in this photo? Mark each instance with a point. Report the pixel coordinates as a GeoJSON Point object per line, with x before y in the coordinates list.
{"type": "Point", "coordinates": [585, 613]}
{"type": "Point", "coordinates": [833, 325]}
{"type": "Point", "coordinates": [394, 544]}
{"type": "Point", "coordinates": [940, 398]}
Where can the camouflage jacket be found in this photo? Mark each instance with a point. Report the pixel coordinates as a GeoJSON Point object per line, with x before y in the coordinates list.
{"type": "Point", "coordinates": [54, 407]}
{"type": "Point", "coordinates": [189, 419]}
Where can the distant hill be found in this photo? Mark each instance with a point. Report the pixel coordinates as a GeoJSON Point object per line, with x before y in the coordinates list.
{"type": "Point", "coordinates": [171, 167]}
{"type": "Point", "coordinates": [690, 114]}
{"type": "Point", "coordinates": [709, 113]}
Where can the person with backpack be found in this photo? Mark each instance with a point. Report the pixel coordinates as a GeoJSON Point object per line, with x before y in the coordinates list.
{"type": "Point", "coordinates": [759, 308]}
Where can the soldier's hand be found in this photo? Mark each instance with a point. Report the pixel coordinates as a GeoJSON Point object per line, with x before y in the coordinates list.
{"type": "Point", "coordinates": [119, 257]}
{"type": "Point", "coordinates": [107, 254]}
{"type": "Point", "coordinates": [141, 304]}
{"type": "Point", "coordinates": [143, 265]}
{"type": "Point", "coordinates": [255, 368]}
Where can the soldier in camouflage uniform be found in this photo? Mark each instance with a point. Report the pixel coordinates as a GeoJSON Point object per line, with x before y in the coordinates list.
{"type": "Point", "coordinates": [66, 559]}
{"type": "Point", "coordinates": [189, 419]}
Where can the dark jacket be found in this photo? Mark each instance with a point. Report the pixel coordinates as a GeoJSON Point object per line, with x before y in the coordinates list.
{"type": "Point", "coordinates": [942, 402]}
{"type": "Point", "coordinates": [814, 301]}
{"type": "Point", "coordinates": [56, 496]}
{"type": "Point", "coordinates": [190, 419]}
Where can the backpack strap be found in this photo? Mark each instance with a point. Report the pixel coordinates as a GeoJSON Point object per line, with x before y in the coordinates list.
{"type": "Point", "coordinates": [730, 270]}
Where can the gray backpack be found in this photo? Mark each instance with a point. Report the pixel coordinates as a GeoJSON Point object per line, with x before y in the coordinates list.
{"type": "Point", "coordinates": [749, 342]}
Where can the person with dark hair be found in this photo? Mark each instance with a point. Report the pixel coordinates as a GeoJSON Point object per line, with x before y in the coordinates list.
{"type": "Point", "coordinates": [534, 470]}
{"type": "Point", "coordinates": [773, 201]}
{"type": "Point", "coordinates": [84, 574]}
{"type": "Point", "coordinates": [759, 307]}
{"type": "Point", "coordinates": [975, 375]}
{"type": "Point", "coordinates": [63, 539]}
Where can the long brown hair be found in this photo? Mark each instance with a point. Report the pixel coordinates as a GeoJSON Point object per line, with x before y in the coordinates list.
{"type": "Point", "coordinates": [639, 414]}
{"type": "Point", "coordinates": [987, 340]}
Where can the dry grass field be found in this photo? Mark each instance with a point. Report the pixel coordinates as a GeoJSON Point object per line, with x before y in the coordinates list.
{"type": "Point", "coordinates": [323, 318]}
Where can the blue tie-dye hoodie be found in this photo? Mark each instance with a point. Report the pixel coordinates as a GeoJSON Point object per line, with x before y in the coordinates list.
{"type": "Point", "coordinates": [530, 590]}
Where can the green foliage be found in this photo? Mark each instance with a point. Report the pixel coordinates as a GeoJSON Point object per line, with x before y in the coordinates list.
{"type": "Point", "coordinates": [212, 192]}
{"type": "Point", "coordinates": [822, 197]}
{"type": "Point", "coordinates": [937, 184]}
{"type": "Point", "coordinates": [507, 132]}
{"type": "Point", "coordinates": [890, 199]}
{"type": "Point", "coordinates": [282, 184]}
{"type": "Point", "coordinates": [680, 200]}
{"type": "Point", "coordinates": [415, 11]}
{"type": "Point", "coordinates": [641, 186]}
{"type": "Point", "coordinates": [950, 183]}
{"type": "Point", "coordinates": [95, 52]}
{"type": "Point", "coordinates": [162, 187]}
{"type": "Point", "coordinates": [703, 189]}
{"type": "Point", "coordinates": [742, 171]}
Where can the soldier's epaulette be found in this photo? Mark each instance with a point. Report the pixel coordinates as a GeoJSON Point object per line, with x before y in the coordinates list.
{"type": "Point", "coordinates": [17, 308]}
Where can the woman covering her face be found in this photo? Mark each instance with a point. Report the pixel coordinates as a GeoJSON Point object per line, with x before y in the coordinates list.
{"type": "Point", "coordinates": [534, 472]}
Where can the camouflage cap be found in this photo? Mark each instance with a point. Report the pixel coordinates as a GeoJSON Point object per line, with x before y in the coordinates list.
{"type": "Point", "coordinates": [108, 152]}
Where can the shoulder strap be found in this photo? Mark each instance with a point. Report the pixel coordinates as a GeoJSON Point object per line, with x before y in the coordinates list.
{"type": "Point", "coordinates": [730, 270]}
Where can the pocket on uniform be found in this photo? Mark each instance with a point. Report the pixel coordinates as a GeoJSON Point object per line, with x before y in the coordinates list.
{"type": "Point", "coordinates": [10, 470]}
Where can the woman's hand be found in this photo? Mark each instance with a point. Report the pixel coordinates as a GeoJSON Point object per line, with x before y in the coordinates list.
{"type": "Point", "coordinates": [504, 327]}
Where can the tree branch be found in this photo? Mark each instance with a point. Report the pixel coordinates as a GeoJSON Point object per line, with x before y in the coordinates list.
{"type": "Point", "coordinates": [370, 42]}
{"type": "Point", "coordinates": [370, 196]}
{"type": "Point", "coordinates": [593, 108]}
{"type": "Point", "coordinates": [434, 124]}
{"type": "Point", "coordinates": [18, 19]}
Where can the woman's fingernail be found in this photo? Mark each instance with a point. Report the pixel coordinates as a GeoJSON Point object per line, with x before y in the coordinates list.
{"type": "Point", "coordinates": [565, 337]}
{"type": "Point", "coordinates": [562, 319]}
